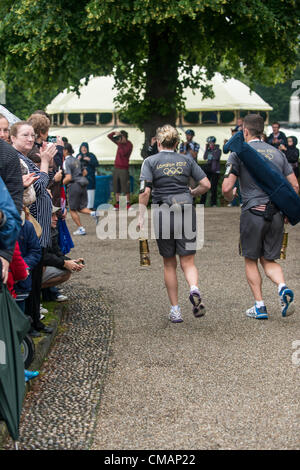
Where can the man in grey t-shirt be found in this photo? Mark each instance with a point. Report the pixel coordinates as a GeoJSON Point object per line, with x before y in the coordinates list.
{"type": "Point", "coordinates": [261, 224]}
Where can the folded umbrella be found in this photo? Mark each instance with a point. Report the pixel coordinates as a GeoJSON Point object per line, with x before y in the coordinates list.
{"type": "Point", "coordinates": [268, 177]}
{"type": "Point", "coordinates": [13, 327]}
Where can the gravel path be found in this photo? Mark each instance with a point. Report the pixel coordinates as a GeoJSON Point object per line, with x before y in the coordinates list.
{"type": "Point", "coordinates": [220, 382]}
{"type": "Point", "coordinates": [60, 411]}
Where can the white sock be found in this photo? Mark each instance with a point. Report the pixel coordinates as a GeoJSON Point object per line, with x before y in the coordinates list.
{"type": "Point", "coordinates": [280, 286]}
{"type": "Point", "coordinates": [259, 303]}
{"type": "Point", "coordinates": [175, 307]}
{"type": "Point", "coordinates": [194, 288]}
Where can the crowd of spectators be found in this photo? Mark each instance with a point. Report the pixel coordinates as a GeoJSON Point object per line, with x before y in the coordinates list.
{"type": "Point", "coordinates": [212, 155]}
{"type": "Point", "coordinates": [35, 169]}
{"type": "Point", "coordinates": [33, 173]}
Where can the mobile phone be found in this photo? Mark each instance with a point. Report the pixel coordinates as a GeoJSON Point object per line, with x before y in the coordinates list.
{"type": "Point", "coordinates": [51, 138]}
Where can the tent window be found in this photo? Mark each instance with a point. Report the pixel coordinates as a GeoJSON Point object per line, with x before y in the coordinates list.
{"type": "Point", "coordinates": [105, 118]}
{"type": "Point", "coordinates": [90, 119]}
{"type": "Point", "coordinates": [74, 118]}
{"type": "Point", "coordinates": [55, 120]}
{"type": "Point", "coordinates": [227, 117]}
{"type": "Point", "coordinates": [263, 114]}
{"type": "Point", "coordinates": [192, 117]}
{"type": "Point", "coordinates": [209, 117]}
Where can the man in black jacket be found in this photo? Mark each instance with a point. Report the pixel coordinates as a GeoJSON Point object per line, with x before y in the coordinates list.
{"type": "Point", "coordinates": [277, 137]}
{"type": "Point", "coordinates": [58, 266]}
{"type": "Point", "coordinates": [212, 155]}
{"type": "Point", "coordinates": [10, 172]}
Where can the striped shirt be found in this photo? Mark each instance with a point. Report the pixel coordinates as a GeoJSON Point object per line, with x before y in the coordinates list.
{"type": "Point", "coordinates": [41, 209]}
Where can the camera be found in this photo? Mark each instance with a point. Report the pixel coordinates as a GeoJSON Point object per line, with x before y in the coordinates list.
{"type": "Point", "coordinates": [51, 138]}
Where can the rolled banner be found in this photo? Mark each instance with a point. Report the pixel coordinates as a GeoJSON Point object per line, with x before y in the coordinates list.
{"type": "Point", "coordinates": [268, 177]}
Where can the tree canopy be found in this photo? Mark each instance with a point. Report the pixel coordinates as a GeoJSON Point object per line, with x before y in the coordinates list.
{"type": "Point", "coordinates": [150, 46]}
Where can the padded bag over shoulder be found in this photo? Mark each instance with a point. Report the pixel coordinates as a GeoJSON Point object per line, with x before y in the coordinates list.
{"type": "Point", "coordinates": [267, 177]}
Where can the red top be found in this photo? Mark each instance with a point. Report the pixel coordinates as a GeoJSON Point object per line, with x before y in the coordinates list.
{"type": "Point", "coordinates": [123, 153]}
{"type": "Point", "coordinates": [17, 270]}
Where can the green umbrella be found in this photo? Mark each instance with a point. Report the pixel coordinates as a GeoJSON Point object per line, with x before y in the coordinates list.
{"type": "Point", "coordinates": [13, 327]}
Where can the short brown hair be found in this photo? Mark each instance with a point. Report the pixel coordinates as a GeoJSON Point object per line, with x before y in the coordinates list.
{"type": "Point", "coordinates": [40, 123]}
{"type": "Point", "coordinates": [15, 127]}
{"type": "Point", "coordinates": [41, 111]}
{"type": "Point", "coordinates": [254, 123]}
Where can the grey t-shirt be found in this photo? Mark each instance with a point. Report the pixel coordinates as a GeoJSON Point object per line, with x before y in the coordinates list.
{"type": "Point", "coordinates": [72, 166]}
{"type": "Point", "coordinates": [169, 173]}
{"type": "Point", "coordinates": [252, 194]}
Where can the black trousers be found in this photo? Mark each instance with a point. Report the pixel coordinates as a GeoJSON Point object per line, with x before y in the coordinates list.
{"type": "Point", "coordinates": [214, 179]}
{"type": "Point", "coordinates": [32, 304]}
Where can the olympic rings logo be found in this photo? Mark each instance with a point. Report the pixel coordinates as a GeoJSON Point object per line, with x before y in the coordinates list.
{"type": "Point", "coordinates": [173, 171]}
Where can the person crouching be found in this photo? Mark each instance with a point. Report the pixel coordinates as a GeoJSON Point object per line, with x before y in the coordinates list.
{"type": "Point", "coordinates": [58, 267]}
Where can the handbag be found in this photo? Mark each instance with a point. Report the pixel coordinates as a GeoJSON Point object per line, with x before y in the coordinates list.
{"type": "Point", "coordinates": [29, 195]}
{"type": "Point", "coordinates": [37, 227]}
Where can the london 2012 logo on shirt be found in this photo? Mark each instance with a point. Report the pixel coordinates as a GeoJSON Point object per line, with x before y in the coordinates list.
{"type": "Point", "coordinates": [172, 171]}
{"type": "Point", "coordinates": [269, 154]}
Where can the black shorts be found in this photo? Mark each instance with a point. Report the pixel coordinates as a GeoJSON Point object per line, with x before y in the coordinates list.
{"type": "Point", "coordinates": [175, 230]}
{"type": "Point", "coordinates": [77, 197]}
{"type": "Point", "coordinates": [259, 237]}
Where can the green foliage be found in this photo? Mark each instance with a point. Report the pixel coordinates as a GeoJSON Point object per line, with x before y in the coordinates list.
{"type": "Point", "coordinates": [151, 47]}
{"type": "Point", "coordinates": [278, 97]}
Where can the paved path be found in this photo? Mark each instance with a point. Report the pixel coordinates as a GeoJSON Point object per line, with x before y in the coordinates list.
{"type": "Point", "coordinates": [221, 382]}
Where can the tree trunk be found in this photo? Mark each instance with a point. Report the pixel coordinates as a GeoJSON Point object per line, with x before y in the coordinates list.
{"type": "Point", "coordinates": [161, 84]}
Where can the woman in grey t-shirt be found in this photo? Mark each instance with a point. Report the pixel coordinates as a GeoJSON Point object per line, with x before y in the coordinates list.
{"type": "Point", "coordinates": [167, 175]}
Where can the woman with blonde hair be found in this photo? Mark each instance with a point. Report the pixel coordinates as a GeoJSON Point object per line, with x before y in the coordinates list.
{"type": "Point", "coordinates": [167, 175]}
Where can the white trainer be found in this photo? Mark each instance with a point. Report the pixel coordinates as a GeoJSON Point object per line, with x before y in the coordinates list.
{"type": "Point", "coordinates": [175, 315]}
{"type": "Point", "coordinates": [61, 298]}
{"type": "Point", "coordinates": [80, 231]}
